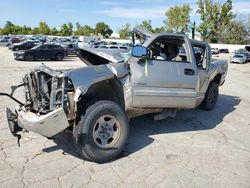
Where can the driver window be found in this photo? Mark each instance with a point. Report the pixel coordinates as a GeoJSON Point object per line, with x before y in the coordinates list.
{"type": "Point", "coordinates": [168, 49]}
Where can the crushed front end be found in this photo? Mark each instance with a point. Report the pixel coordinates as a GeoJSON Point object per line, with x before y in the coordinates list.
{"type": "Point", "coordinates": [48, 107]}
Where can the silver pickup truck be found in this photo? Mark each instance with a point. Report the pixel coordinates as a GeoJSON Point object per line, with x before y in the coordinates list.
{"type": "Point", "coordinates": [166, 73]}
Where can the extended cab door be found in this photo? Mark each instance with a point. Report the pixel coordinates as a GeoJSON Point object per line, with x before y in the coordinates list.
{"type": "Point", "coordinates": [163, 81]}
{"type": "Point", "coordinates": [202, 58]}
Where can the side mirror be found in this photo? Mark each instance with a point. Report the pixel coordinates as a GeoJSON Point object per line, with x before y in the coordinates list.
{"type": "Point", "coordinates": [139, 51]}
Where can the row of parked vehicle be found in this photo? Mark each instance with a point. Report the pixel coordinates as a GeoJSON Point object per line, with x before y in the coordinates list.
{"type": "Point", "coordinates": [39, 47]}
{"type": "Point", "coordinates": [218, 51]}
{"type": "Point", "coordinates": [54, 48]}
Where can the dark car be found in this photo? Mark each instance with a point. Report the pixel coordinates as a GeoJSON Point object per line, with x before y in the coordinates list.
{"type": "Point", "coordinates": [43, 51]}
{"type": "Point", "coordinates": [24, 45]}
{"type": "Point", "coordinates": [224, 50]}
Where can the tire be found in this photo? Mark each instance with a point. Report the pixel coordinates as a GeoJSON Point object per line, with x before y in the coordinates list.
{"type": "Point", "coordinates": [211, 97]}
{"type": "Point", "coordinates": [59, 57]}
{"type": "Point", "coordinates": [104, 130]}
{"type": "Point", "coordinates": [29, 57]}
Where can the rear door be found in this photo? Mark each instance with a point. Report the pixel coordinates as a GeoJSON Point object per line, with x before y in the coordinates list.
{"type": "Point", "coordinates": [164, 83]}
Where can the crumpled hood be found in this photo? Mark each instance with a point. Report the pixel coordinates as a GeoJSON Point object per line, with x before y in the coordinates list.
{"type": "Point", "coordinates": [95, 56]}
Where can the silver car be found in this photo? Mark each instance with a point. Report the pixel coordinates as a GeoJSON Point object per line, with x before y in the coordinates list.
{"type": "Point", "coordinates": [239, 58]}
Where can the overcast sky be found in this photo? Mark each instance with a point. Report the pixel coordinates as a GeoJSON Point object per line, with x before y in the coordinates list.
{"type": "Point", "coordinates": [114, 13]}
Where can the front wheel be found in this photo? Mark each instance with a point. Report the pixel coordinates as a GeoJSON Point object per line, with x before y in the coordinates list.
{"type": "Point", "coordinates": [104, 130]}
{"type": "Point", "coordinates": [29, 57]}
{"type": "Point", "coordinates": [211, 97]}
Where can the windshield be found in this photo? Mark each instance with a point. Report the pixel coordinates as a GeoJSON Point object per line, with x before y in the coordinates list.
{"type": "Point", "coordinates": [238, 56]}
{"type": "Point", "coordinates": [36, 47]}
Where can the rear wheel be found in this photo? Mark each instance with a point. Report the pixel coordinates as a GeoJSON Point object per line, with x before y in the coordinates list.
{"type": "Point", "coordinates": [29, 57]}
{"type": "Point", "coordinates": [104, 131]}
{"type": "Point", "coordinates": [211, 97]}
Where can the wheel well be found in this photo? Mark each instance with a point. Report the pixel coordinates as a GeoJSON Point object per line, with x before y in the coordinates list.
{"type": "Point", "coordinates": [106, 90]}
{"type": "Point", "coordinates": [217, 79]}
{"type": "Point", "coordinates": [29, 53]}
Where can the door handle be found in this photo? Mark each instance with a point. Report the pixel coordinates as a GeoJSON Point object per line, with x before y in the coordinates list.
{"type": "Point", "coordinates": [189, 72]}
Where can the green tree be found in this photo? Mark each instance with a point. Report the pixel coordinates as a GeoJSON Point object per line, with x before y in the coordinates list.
{"type": "Point", "coordinates": [8, 28]}
{"type": "Point", "coordinates": [159, 29]}
{"type": "Point", "coordinates": [103, 29]}
{"type": "Point", "coordinates": [26, 30]}
{"type": "Point", "coordinates": [54, 31]}
{"type": "Point", "coordinates": [85, 30]}
{"type": "Point", "coordinates": [215, 18]}
{"type": "Point", "coordinates": [125, 31]}
{"type": "Point", "coordinates": [178, 19]}
{"type": "Point", "coordinates": [148, 25]}
{"type": "Point", "coordinates": [66, 29]}
{"type": "Point", "coordinates": [35, 31]}
{"type": "Point", "coordinates": [235, 33]}
{"type": "Point", "coordinates": [43, 28]}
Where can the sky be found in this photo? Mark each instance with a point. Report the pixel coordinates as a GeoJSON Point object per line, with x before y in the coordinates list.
{"type": "Point", "coordinates": [114, 13]}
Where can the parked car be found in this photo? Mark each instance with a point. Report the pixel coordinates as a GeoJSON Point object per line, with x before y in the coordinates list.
{"type": "Point", "coordinates": [215, 50]}
{"type": "Point", "coordinates": [95, 102]}
{"type": "Point", "coordinates": [70, 48]}
{"type": "Point", "coordinates": [244, 52]}
{"type": "Point", "coordinates": [24, 45]}
{"type": "Point", "coordinates": [239, 58]}
{"type": "Point", "coordinates": [223, 50]}
{"type": "Point", "coordinates": [12, 41]}
{"type": "Point", "coordinates": [43, 51]}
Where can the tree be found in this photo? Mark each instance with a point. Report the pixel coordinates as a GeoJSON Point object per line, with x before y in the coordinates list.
{"type": "Point", "coordinates": [103, 29]}
{"type": "Point", "coordinates": [148, 25]}
{"type": "Point", "coordinates": [43, 28]}
{"type": "Point", "coordinates": [235, 33]}
{"type": "Point", "coordinates": [159, 29]}
{"type": "Point", "coordinates": [8, 28]}
{"type": "Point", "coordinates": [125, 31]}
{"type": "Point", "coordinates": [215, 19]}
{"type": "Point", "coordinates": [35, 30]}
{"type": "Point", "coordinates": [66, 29]}
{"type": "Point", "coordinates": [85, 30]}
{"type": "Point", "coordinates": [178, 19]}
{"type": "Point", "coordinates": [54, 31]}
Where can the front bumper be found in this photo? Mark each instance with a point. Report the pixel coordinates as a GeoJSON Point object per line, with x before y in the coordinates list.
{"type": "Point", "coordinates": [19, 56]}
{"type": "Point", "coordinates": [47, 125]}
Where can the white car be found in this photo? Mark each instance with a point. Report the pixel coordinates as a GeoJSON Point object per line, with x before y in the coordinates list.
{"type": "Point", "coordinates": [239, 58]}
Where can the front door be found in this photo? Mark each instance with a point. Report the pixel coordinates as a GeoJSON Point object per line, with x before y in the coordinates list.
{"type": "Point", "coordinates": [163, 83]}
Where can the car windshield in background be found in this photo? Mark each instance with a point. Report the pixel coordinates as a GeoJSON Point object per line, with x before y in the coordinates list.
{"type": "Point", "coordinates": [36, 47]}
{"type": "Point", "coordinates": [238, 56]}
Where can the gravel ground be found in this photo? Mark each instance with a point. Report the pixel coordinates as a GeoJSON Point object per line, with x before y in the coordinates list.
{"type": "Point", "coordinates": [195, 149]}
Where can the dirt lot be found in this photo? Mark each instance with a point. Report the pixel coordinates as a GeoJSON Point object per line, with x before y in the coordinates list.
{"type": "Point", "coordinates": [195, 149]}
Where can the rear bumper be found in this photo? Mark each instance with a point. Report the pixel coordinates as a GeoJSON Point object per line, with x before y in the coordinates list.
{"type": "Point", "coordinates": [46, 125]}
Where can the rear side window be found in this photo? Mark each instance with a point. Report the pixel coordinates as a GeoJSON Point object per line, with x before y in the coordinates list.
{"type": "Point", "coordinates": [200, 53]}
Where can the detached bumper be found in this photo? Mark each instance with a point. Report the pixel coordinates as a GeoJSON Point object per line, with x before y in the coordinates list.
{"type": "Point", "coordinates": [46, 125]}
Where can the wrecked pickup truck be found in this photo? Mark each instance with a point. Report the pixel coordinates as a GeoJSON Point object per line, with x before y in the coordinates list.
{"type": "Point", "coordinates": [166, 73]}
